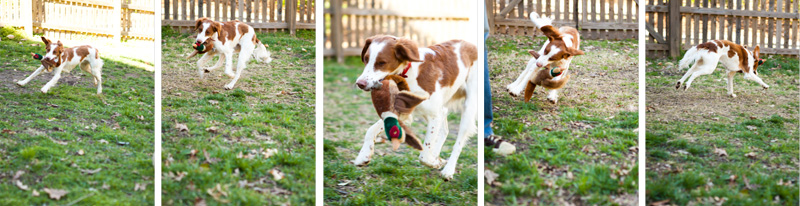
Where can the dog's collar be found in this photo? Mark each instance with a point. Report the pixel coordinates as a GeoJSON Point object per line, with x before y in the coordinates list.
{"type": "Point", "coordinates": [406, 71]}
{"type": "Point", "coordinates": [554, 74]}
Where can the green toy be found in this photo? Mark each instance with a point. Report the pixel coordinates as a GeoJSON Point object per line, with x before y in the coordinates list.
{"type": "Point", "coordinates": [392, 128]}
{"type": "Point", "coordinates": [554, 74]}
{"type": "Point", "coordinates": [37, 56]}
{"type": "Point", "coordinates": [199, 47]}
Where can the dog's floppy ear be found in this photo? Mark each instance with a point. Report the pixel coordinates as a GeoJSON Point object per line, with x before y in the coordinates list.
{"type": "Point", "coordinates": [406, 50]}
{"type": "Point", "coordinates": [410, 138]}
{"type": "Point", "coordinates": [534, 54]}
{"type": "Point", "coordinates": [406, 101]}
{"type": "Point", "coordinates": [199, 24]}
{"type": "Point", "coordinates": [364, 50]}
{"type": "Point", "coordinates": [573, 52]}
{"type": "Point", "coordinates": [756, 51]}
{"type": "Point", "coordinates": [46, 41]}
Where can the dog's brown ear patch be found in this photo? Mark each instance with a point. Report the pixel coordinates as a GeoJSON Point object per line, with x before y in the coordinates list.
{"type": "Point", "coordinates": [406, 101]}
{"type": "Point", "coordinates": [411, 138]}
{"type": "Point", "coordinates": [364, 50]}
{"type": "Point", "coordinates": [534, 54]}
{"type": "Point", "coordinates": [574, 52]}
{"type": "Point", "coordinates": [406, 50]}
{"type": "Point", "coordinates": [46, 41]}
{"type": "Point", "coordinates": [198, 25]}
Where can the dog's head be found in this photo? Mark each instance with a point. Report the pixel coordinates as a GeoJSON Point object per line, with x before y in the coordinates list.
{"type": "Point", "coordinates": [558, 48]}
{"type": "Point", "coordinates": [385, 55]}
{"type": "Point", "coordinates": [52, 57]}
{"type": "Point", "coordinates": [756, 61]}
{"type": "Point", "coordinates": [393, 103]}
{"type": "Point", "coordinates": [206, 29]}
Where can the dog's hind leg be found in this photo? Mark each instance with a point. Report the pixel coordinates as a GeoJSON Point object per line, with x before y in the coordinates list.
{"type": "Point", "coordinates": [703, 69]}
{"type": "Point", "coordinates": [468, 124]}
{"type": "Point", "coordinates": [97, 72]}
{"type": "Point", "coordinates": [365, 155]}
{"type": "Point", "coordinates": [428, 155]}
{"type": "Point", "coordinates": [244, 56]}
{"type": "Point", "coordinates": [35, 73]}
{"type": "Point", "coordinates": [219, 64]}
{"type": "Point", "coordinates": [731, 74]}
{"type": "Point", "coordinates": [687, 75]}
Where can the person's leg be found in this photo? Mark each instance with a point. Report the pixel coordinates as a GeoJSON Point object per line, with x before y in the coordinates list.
{"type": "Point", "coordinates": [489, 139]}
{"type": "Point", "coordinates": [487, 95]}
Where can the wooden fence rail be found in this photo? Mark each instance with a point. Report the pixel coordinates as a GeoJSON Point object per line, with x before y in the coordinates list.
{"type": "Point", "coordinates": [82, 19]}
{"type": "Point", "coordinates": [350, 22]}
{"type": "Point", "coordinates": [596, 19]}
{"type": "Point", "coordinates": [261, 14]}
{"type": "Point", "coordinates": [677, 25]}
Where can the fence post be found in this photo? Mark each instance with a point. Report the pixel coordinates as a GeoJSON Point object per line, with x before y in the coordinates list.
{"type": "Point", "coordinates": [336, 29]}
{"type": "Point", "coordinates": [27, 17]}
{"type": "Point", "coordinates": [674, 37]}
{"type": "Point", "coordinates": [291, 15]}
{"type": "Point", "coordinates": [116, 19]}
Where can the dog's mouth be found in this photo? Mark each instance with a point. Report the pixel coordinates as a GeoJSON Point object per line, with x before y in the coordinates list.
{"type": "Point", "coordinates": [48, 64]}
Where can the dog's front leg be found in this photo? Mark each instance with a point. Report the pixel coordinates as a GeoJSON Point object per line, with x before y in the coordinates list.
{"type": "Point", "coordinates": [753, 77]}
{"type": "Point", "coordinates": [444, 131]}
{"type": "Point", "coordinates": [518, 85]}
{"type": "Point", "coordinates": [54, 80]}
{"type": "Point", "coordinates": [219, 64]}
{"type": "Point", "coordinates": [202, 61]}
{"type": "Point", "coordinates": [35, 73]}
{"type": "Point", "coordinates": [428, 156]}
{"type": "Point", "coordinates": [731, 74]}
{"type": "Point", "coordinates": [468, 125]}
{"type": "Point", "coordinates": [241, 64]}
{"type": "Point", "coordinates": [365, 155]}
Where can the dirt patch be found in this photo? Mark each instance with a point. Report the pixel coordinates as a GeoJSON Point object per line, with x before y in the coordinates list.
{"type": "Point", "coordinates": [708, 100]}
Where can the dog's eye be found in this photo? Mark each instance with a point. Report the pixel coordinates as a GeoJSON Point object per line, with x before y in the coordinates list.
{"type": "Point", "coordinates": [380, 63]}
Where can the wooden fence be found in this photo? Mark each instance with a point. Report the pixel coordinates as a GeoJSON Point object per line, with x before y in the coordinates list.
{"type": "Point", "coordinates": [675, 25]}
{"type": "Point", "coordinates": [349, 22]}
{"type": "Point", "coordinates": [596, 19]}
{"type": "Point", "coordinates": [82, 19]}
{"type": "Point", "coordinates": [264, 15]}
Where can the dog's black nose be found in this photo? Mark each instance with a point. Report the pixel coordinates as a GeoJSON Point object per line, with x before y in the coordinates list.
{"type": "Point", "coordinates": [362, 84]}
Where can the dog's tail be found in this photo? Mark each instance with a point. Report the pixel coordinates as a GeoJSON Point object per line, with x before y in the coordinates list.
{"type": "Point", "coordinates": [540, 21]}
{"type": "Point", "coordinates": [691, 56]}
{"type": "Point", "coordinates": [261, 54]}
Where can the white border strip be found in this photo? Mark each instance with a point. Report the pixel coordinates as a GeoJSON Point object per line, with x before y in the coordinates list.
{"type": "Point", "coordinates": [157, 125]}
{"type": "Point", "coordinates": [320, 30]}
{"type": "Point", "coordinates": [642, 107]}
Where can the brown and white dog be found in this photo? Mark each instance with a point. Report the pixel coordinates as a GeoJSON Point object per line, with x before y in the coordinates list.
{"type": "Point", "coordinates": [227, 38]}
{"type": "Point", "coordinates": [61, 59]}
{"type": "Point", "coordinates": [735, 58]}
{"type": "Point", "coordinates": [445, 71]}
{"type": "Point", "coordinates": [558, 50]}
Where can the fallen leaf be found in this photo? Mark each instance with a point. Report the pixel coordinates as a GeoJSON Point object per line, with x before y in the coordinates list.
{"type": "Point", "coordinates": [751, 127]}
{"type": "Point", "coordinates": [140, 186]}
{"type": "Point", "coordinates": [212, 129]}
{"type": "Point", "coordinates": [213, 102]}
{"type": "Point", "coordinates": [18, 174]}
{"type": "Point", "coordinates": [344, 183]}
{"type": "Point", "coordinates": [8, 131]}
{"type": "Point", "coordinates": [751, 155]}
{"type": "Point", "coordinates": [747, 184]}
{"type": "Point", "coordinates": [105, 186]}
{"type": "Point", "coordinates": [209, 159]}
{"type": "Point", "coordinates": [276, 174]}
{"type": "Point", "coordinates": [35, 193]}
{"type": "Point", "coordinates": [181, 127]}
{"type": "Point", "coordinates": [490, 177]}
{"type": "Point", "coordinates": [103, 141]}
{"type": "Point", "coordinates": [269, 152]}
{"type": "Point", "coordinates": [55, 194]}
{"type": "Point", "coordinates": [660, 203]}
{"type": "Point", "coordinates": [123, 143]}
{"type": "Point", "coordinates": [58, 142]}
{"type": "Point", "coordinates": [732, 180]}
{"type": "Point", "coordinates": [91, 172]}
{"type": "Point", "coordinates": [199, 202]}
{"type": "Point", "coordinates": [10, 36]}
{"type": "Point", "coordinates": [80, 152]}
{"type": "Point", "coordinates": [52, 105]}
{"type": "Point", "coordinates": [217, 193]}
{"type": "Point", "coordinates": [720, 152]}
{"type": "Point", "coordinates": [21, 185]}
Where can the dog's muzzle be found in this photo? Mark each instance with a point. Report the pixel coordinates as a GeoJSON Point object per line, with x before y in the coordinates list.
{"type": "Point", "coordinates": [363, 85]}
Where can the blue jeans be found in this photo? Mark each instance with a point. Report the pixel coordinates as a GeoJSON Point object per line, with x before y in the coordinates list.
{"type": "Point", "coordinates": [487, 94]}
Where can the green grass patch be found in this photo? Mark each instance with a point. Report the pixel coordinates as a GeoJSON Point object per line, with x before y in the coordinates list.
{"type": "Point", "coordinates": [43, 133]}
{"type": "Point", "coordinates": [270, 108]}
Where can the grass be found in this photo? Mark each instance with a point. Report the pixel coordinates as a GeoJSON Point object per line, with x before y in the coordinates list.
{"type": "Point", "coordinates": [270, 108]}
{"type": "Point", "coordinates": [391, 178]}
{"type": "Point", "coordinates": [757, 130]}
{"type": "Point", "coordinates": [43, 133]}
{"type": "Point", "coordinates": [580, 151]}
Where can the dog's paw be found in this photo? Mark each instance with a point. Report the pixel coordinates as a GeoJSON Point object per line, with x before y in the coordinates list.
{"type": "Point", "coordinates": [766, 87]}
{"type": "Point", "coordinates": [732, 95]}
{"type": "Point", "coordinates": [228, 86]}
{"type": "Point", "coordinates": [20, 83]}
{"type": "Point", "coordinates": [678, 85]}
{"type": "Point", "coordinates": [514, 92]}
{"type": "Point", "coordinates": [360, 162]}
{"type": "Point", "coordinates": [436, 163]}
{"type": "Point", "coordinates": [206, 71]}
{"type": "Point", "coordinates": [230, 74]}
{"type": "Point", "coordinates": [447, 175]}
{"type": "Point", "coordinates": [44, 90]}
